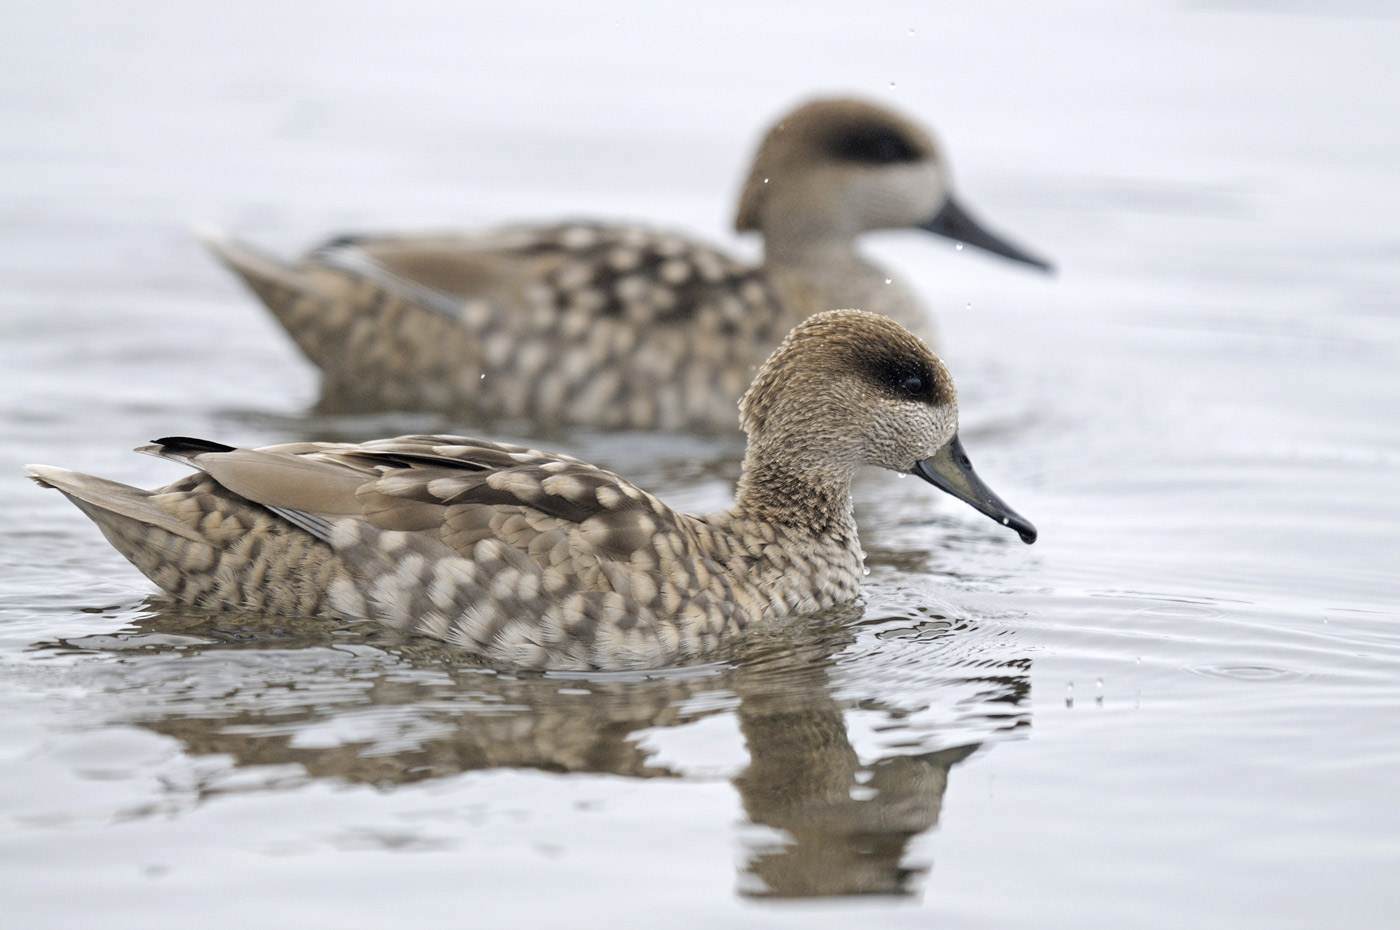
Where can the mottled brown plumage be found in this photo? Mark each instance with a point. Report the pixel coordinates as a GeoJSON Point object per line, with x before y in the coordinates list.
{"type": "Point", "coordinates": [611, 325]}
{"type": "Point", "coordinates": [540, 560]}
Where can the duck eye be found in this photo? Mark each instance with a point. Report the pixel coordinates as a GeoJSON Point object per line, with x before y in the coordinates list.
{"type": "Point", "coordinates": [873, 145]}
{"type": "Point", "coordinates": [912, 385]}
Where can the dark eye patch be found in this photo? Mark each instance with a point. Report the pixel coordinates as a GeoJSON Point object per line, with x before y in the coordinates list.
{"type": "Point", "coordinates": [874, 145]}
{"type": "Point", "coordinates": [907, 378]}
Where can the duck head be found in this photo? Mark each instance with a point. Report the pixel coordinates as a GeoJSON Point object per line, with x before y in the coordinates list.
{"type": "Point", "coordinates": [835, 168]}
{"type": "Point", "coordinates": [848, 388]}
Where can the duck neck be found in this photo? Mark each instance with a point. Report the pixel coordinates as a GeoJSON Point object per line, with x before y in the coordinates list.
{"type": "Point", "coordinates": [831, 272]}
{"type": "Point", "coordinates": [787, 485]}
{"type": "Point", "coordinates": [797, 247]}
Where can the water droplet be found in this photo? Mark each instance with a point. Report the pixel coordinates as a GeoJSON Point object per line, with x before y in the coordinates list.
{"type": "Point", "coordinates": [765, 180]}
{"type": "Point", "coordinates": [1005, 521]}
{"type": "Point", "coordinates": [889, 280]}
{"type": "Point", "coordinates": [865, 571]}
{"type": "Point", "coordinates": [483, 376]}
{"type": "Point", "coordinates": [959, 246]}
{"type": "Point", "coordinates": [911, 32]}
{"type": "Point", "coordinates": [969, 306]}
{"type": "Point", "coordinates": [1069, 695]}
{"type": "Point", "coordinates": [891, 85]}
{"type": "Point", "coordinates": [1139, 660]}
{"type": "Point", "coordinates": [1098, 692]}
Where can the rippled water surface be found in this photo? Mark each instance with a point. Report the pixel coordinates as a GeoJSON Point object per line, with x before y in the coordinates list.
{"type": "Point", "coordinates": [1181, 708]}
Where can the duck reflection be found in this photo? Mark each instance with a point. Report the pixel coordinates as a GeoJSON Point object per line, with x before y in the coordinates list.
{"type": "Point", "coordinates": [362, 705]}
{"type": "Point", "coordinates": [845, 827]}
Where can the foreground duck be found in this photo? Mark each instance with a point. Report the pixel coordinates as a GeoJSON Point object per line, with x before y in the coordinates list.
{"type": "Point", "coordinates": [542, 561]}
{"type": "Point", "coordinates": [619, 326]}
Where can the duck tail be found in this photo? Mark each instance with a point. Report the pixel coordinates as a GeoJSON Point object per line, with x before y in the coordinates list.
{"type": "Point", "coordinates": [378, 339]}
{"type": "Point", "coordinates": [126, 515]}
{"type": "Point", "coordinates": [200, 544]}
{"type": "Point", "coordinates": [314, 305]}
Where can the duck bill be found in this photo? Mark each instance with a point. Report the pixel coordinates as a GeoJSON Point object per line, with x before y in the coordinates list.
{"type": "Point", "coordinates": [949, 469]}
{"type": "Point", "coordinates": [956, 223]}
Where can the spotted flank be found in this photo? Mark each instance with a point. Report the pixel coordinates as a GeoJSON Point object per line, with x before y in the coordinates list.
{"type": "Point", "coordinates": [539, 560]}
{"type": "Point", "coordinates": [612, 325]}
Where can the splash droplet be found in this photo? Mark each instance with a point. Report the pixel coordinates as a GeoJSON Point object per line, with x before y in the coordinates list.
{"type": "Point", "coordinates": [891, 85]}
{"type": "Point", "coordinates": [1069, 695]}
{"type": "Point", "coordinates": [959, 246]}
{"type": "Point", "coordinates": [911, 32]}
{"type": "Point", "coordinates": [889, 280]}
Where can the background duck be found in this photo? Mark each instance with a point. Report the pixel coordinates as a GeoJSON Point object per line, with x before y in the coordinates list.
{"type": "Point", "coordinates": [620, 326]}
{"type": "Point", "coordinates": [539, 560]}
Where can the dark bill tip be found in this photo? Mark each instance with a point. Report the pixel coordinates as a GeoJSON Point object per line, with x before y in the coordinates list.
{"type": "Point", "coordinates": [956, 223]}
{"type": "Point", "coordinates": [949, 469]}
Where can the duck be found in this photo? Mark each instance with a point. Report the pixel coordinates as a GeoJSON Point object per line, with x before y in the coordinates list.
{"type": "Point", "coordinates": [537, 560]}
{"type": "Point", "coordinates": [619, 326]}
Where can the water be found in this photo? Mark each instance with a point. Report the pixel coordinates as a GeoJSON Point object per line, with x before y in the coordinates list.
{"type": "Point", "coordinates": [1180, 708]}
